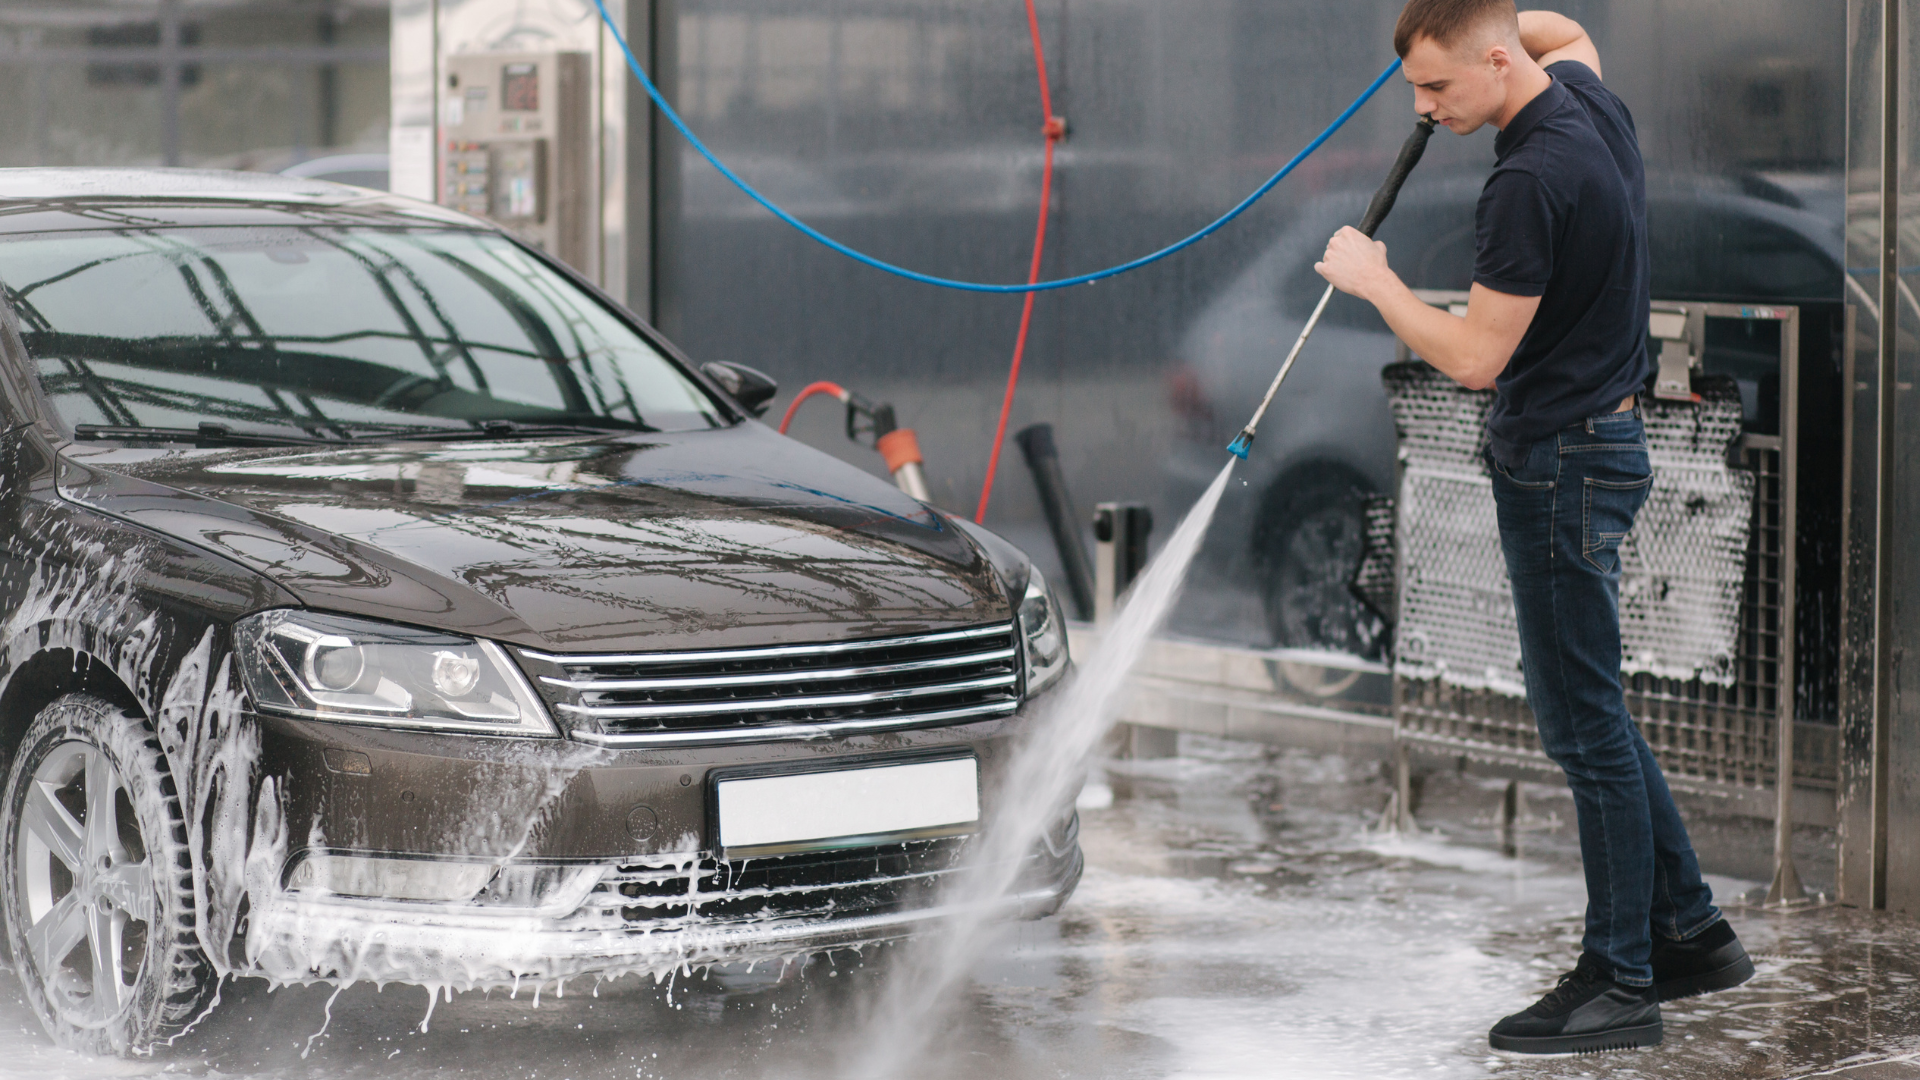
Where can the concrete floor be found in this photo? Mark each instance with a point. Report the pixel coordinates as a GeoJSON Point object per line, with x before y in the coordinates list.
{"type": "Point", "coordinates": [1238, 919]}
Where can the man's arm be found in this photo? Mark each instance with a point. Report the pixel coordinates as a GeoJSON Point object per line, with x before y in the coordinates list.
{"type": "Point", "coordinates": [1472, 351]}
{"type": "Point", "coordinates": [1550, 38]}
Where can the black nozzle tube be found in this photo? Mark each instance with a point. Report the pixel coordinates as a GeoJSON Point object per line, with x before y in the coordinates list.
{"type": "Point", "coordinates": [1410, 152]}
{"type": "Point", "coordinates": [1043, 460]}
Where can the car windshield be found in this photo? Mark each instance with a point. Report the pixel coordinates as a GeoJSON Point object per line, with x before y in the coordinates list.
{"type": "Point", "coordinates": [330, 333]}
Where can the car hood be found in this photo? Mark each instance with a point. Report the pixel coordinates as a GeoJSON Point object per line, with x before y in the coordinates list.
{"type": "Point", "coordinates": [696, 540]}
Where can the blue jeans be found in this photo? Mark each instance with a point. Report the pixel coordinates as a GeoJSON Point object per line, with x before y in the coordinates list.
{"type": "Point", "coordinates": [1563, 514]}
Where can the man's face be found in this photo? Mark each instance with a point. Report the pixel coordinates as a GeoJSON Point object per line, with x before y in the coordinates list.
{"type": "Point", "coordinates": [1463, 87]}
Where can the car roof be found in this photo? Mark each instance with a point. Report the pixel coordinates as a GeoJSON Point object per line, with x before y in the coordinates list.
{"type": "Point", "coordinates": [45, 200]}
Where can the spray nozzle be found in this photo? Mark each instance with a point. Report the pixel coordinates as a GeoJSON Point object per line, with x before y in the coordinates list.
{"type": "Point", "coordinates": [864, 418]}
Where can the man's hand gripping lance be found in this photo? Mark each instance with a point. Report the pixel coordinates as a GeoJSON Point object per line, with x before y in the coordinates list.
{"type": "Point", "coordinates": [1410, 152]}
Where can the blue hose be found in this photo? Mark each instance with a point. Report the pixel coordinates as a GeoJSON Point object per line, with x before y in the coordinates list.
{"type": "Point", "coordinates": [974, 286]}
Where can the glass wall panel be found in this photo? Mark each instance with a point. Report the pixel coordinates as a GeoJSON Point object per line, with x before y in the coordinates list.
{"type": "Point", "coordinates": [911, 129]}
{"type": "Point", "coordinates": [249, 84]}
{"type": "Point", "coordinates": [1899, 744]}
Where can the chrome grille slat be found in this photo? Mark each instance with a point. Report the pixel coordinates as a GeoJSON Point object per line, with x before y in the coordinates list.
{"type": "Point", "coordinates": [630, 712]}
{"type": "Point", "coordinates": [775, 678]}
{"type": "Point", "coordinates": [784, 691]}
{"type": "Point", "coordinates": [766, 652]}
{"type": "Point", "coordinates": [767, 732]}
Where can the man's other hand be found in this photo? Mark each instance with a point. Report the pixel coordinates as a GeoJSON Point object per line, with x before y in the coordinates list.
{"type": "Point", "coordinates": [1356, 265]}
{"type": "Point", "coordinates": [1550, 38]}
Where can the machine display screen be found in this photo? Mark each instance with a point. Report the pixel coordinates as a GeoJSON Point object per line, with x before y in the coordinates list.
{"type": "Point", "coordinates": [520, 88]}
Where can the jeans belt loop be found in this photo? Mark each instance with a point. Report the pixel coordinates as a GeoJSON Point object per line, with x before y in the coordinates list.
{"type": "Point", "coordinates": [1589, 425]}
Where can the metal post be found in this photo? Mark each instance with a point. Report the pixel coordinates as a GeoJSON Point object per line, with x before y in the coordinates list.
{"type": "Point", "coordinates": [1399, 813]}
{"type": "Point", "coordinates": [1786, 887]}
{"type": "Point", "coordinates": [170, 79]}
{"type": "Point", "coordinates": [439, 177]}
{"type": "Point", "coordinates": [1510, 820]}
{"type": "Point", "coordinates": [1884, 457]}
{"type": "Point", "coordinates": [663, 157]}
{"type": "Point", "coordinates": [1120, 533]}
{"type": "Point", "coordinates": [1400, 809]}
{"type": "Point", "coordinates": [327, 78]}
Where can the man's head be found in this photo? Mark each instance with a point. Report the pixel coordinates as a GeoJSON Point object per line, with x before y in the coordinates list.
{"type": "Point", "coordinates": [1460, 56]}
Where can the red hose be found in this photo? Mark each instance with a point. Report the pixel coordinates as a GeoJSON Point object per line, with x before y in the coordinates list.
{"type": "Point", "coordinates": [806, 392]}
{"type": "Point", "coordinates": [1054, 129]}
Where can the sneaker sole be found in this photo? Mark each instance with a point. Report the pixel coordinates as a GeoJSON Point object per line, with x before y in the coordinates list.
{"type": "Point", "coordinates": [1632, 1038]}
{"type": "Point", "coordinates": [1724, 978]}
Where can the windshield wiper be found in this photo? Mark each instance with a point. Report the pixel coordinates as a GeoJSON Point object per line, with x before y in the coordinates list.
{"type": "Point", "coordinates": [497, 429]}
{"type": "Point", "coordinates": [207, 434]}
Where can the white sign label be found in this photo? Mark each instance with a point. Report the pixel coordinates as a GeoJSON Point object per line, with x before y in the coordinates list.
{"type": "Point", "coordinates": [801, 811]}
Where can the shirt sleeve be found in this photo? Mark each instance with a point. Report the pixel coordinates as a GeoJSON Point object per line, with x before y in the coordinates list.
{"type": "Point", "coordinates": [1516, 235]}
{"type": "Point", "coordinates": [1572, 71]}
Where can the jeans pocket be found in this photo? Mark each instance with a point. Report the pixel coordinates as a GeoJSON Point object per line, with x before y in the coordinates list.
{"type": "Point", "coordinates": [1607, 517]}
{"type": "Point", "coordinates": [1528, 477]}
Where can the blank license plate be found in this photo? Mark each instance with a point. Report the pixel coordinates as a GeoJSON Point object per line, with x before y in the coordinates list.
{"type": "Point", "coordinates": [818, 811]}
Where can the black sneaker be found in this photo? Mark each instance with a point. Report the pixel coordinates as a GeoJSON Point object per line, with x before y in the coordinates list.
{"type": "Point", "coordinates": [1586, 1013]}
{"type": "Point", "coordinates": [1710, 960]}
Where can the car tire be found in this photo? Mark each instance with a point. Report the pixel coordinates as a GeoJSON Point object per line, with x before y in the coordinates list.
{"type": "Point", "coordinates": [97, 872]}
{"type": "Point", "coordinates": [1309, 545]}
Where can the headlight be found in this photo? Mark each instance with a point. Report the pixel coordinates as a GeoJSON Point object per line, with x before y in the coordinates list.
{"type": "Point", "coordinates": [1045, 630]}
{"type": "Point", "coordinates": [331, 667]}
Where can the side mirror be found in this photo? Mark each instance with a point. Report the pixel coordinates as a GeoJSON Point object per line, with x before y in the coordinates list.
{"type": "Point", "coordinates": [752, 389]}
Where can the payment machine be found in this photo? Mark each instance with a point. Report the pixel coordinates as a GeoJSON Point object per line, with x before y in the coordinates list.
{"type": "Point", "coordinates": [517, 146]}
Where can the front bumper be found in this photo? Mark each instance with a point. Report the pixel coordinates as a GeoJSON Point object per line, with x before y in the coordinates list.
{"type": "Point", "coordinates": [651, 917]}
{"type": "Point", "coordinates": [629, 838]}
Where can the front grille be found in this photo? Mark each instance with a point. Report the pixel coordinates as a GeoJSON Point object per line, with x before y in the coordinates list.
{"type": "Point", "coordinates": [786, 691]}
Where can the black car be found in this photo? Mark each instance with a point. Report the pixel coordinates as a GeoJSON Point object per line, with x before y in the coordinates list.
{"type": "Point", "coordinates": [382, 602]}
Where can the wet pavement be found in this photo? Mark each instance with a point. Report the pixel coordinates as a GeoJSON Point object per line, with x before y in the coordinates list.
{"type": "Point", "coordinates": [1239, 918]}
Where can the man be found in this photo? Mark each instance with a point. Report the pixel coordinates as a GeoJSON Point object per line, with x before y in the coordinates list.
{"type": "Point", "coordinates": [1557, 323]}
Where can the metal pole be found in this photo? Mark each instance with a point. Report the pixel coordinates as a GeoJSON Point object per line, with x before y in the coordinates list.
{"type": "Point", "coordinates": [439, 179]}
{"type": "Point", "coordinates": [170, 79]}
{"type": "Point", "coordinates": [1786, 887]}
{"type": "Point", "coordinates": [1399, 815]}
{"type": "Point", "coordinates": [1884, 457]}
{"type": "Point", "coordinates": [327, 78]}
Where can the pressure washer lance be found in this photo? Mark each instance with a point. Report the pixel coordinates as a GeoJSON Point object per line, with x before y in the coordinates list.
{"type": "Point", "coordinates": [1377, 210]}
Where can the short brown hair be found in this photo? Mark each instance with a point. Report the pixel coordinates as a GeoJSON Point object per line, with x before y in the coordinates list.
{"type": "Point", "coordinates": [1448, 22]}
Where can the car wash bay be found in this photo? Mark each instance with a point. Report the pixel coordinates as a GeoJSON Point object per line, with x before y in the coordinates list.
{"type": "Point", "coordinates": [1257, 900]}
{"type": "Point", "coordinates": [1774, 137]}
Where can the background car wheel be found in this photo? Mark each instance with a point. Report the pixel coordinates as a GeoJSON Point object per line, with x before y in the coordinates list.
{"type": "Point", "coordinates": [1310, 544]}
{"type": "Point", "coordinates": [98, 887]}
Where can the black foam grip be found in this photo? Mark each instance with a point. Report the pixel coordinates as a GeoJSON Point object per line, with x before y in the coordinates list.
{"type": "Point", "coordinates": [1410, 152]}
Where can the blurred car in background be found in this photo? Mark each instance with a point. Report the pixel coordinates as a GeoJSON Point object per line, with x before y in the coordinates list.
{"type": "Point", "coordinates": [1328, 443]}
{"type": "Point", "coordinates": [359, 170]}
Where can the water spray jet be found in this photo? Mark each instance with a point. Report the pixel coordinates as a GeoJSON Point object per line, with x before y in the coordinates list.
{"type": "Point", "coordinates": [1047, 769]}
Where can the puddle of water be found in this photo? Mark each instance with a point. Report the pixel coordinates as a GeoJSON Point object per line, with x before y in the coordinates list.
{"type": "Point", "coordinates": [1361, 956]}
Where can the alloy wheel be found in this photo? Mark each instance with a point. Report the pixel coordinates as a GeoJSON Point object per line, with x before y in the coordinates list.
{"type": "Point", "coordinates": [86, 883]}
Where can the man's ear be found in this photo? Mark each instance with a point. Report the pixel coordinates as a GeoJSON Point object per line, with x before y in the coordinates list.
{"type": "Point", "coordinates": [1499, 58]}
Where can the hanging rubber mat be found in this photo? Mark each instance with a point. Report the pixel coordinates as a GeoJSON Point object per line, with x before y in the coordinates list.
{"type": "Point", "coordinates": [1683, 567]}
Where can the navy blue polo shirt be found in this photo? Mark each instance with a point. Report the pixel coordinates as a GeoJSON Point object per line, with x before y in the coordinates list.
{"type": "Point", "coordinates": [1564, 218]}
